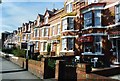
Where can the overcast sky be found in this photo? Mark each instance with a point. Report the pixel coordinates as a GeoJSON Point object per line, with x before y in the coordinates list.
{"type": "Point", "coordinates": [14, 13]}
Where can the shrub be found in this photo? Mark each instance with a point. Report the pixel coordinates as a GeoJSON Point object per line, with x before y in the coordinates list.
{"type": "Point", "coordinates": [19, 52]}
{"type": "Point", "coordinates": [6, 50]}
{"type": "Point", "coordinates": [39, 57]}
{"type": "Point", "coordinates": [51, 63]}
{"type": "Point", "coordinates": [48, 48]}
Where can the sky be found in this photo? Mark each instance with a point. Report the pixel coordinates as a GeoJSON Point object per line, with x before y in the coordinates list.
{"type": "Point", "coordinates": [14, 13]}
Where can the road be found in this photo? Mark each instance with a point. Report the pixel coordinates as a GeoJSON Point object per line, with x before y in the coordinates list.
{"type": "Point", "coordinates": [12, 72]}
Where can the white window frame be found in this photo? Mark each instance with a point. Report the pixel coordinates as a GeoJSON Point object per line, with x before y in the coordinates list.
{"type": "Point", "coordinates": [46, 31]}
{"type": "Point", "coordinates": [41, 46]}
{"type": "Point", "coordinates": [98, 42]}
{"type": "Point", "coordinates": [46, 20]}
{"type": "Point", "coordinates": [92, 1]}
{"type": "Point", "coordinates": [29, 27]}
{"type": "Point", "coordinates": [45, 46]}
{"type": "Point", "coordinates": [117, 13]}
{"type": "Point", "coordinates": [58, 29]}
{"type": "Point", "coordinates": [37, 32]}
{"type": "Point", "coordinates": [69, 7]}
{"type": "Point", "coordinates": [42, 32]}
{"type": "Point", "coordinates": [70, 43]}
{"type": "Point", "coordinates": [36, 45]}
{"type": "Point", "coordinates": [64, 44]}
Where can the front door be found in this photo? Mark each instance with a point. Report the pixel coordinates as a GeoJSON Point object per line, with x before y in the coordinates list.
{"type": "Point", "coordinates": [118, 50]}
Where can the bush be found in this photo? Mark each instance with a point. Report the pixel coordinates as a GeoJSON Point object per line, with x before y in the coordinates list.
{"type": "Point", "coordinates": [19, 52]}
{"type": "Point", "coordinates": [39, 57]}
{"type": "Point", "coordinates": [6, 50]}
{"type": "Point", "coordinates": [48, 48]}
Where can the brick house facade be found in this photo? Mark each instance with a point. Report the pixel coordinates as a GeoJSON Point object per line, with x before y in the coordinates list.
{"type": "Point", "coordinates": [79, 28]}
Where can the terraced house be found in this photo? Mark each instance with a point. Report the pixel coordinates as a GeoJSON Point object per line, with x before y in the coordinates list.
{"type": "Point", "coordinates": [89, 29]}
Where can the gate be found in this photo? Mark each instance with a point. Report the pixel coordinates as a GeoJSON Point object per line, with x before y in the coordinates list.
{"type": "Point", "coordinates": [67, 71]}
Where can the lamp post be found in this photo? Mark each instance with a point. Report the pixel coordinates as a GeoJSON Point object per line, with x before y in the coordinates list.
{"type": "Point", "coordinates": [27, 55]}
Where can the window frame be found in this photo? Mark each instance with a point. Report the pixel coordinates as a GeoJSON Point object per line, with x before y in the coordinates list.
{"type": "Point", "coordinates": [117, 13]}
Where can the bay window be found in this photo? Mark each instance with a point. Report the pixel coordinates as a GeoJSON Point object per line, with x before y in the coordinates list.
{"type": "Point", "coordinates": [67, 44]}
{"type": "Point", "coordinates": [97, 20]}
{"type": "Point", "coordinates": [64, 24]}
{"type": "Point", "coordinates": [117, 16]}
{"type": "Point", "coordinates": [68, 24]}
{"type": "Point", "coordinates": [70, 43]}
{"type": "Point", "coordinates": [89, 21]}
{"type": "Point", "coordinates": [88, 47]}
{"type": "Point", "coordinates": [97, 44]}
{"type": "Point", "coordinates": [64, 44]}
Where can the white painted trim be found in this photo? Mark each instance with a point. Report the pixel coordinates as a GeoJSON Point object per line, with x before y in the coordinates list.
{"type": "Point", "coordinates": [67, 51]}
{"type": "Point", "coordinates": [68, 17]}
{"type": "Point", "coordinates": [115, 37]}
{"type": "Point", "coordinates": [43, 51]}
{"type": "Point", "coordinates": [45, 27]}
{"type": "Point", "coordinates": [94, 34]}
{"type": "Point", "coordinates": [86, 28]}
{"type": "Point", "coordinates": [70, 1]}
{"type": "Point", "coordinates": [90, 9]}
{"type": "Point", "coordinates": [69, 36]}
{"type": "Point", "coordinates": [90, 53]}
{"type": "Point", "coordinates": [43, 40]}
{"type": "Point", "coordinates": [70, 31]}
{"type": "Point", "coordinates": [116, 24]}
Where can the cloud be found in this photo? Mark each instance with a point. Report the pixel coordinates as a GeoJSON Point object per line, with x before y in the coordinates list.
{"type": "Point", "coordinates": [33, 0]}
{"type": "Point", "coordinates": [16, 13]}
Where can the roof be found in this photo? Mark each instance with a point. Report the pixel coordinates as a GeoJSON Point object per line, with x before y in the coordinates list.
{"type": "Point", "coordinates": [41, 16]}
{"type": "Point", "coordinates": [51, 13]}
{"type": "Point", "coordinates": [93, 4]}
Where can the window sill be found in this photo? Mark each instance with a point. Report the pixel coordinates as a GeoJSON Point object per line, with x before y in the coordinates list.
{"type": "Point", "coordinates": [69, 30]}
{"type": "Point", "coordinates": [67, 51]}
{"type": "Point", "coordinates": [86, 28]}
{"type": "Point", "coordinates": [43, 51]}
{"type": "Point", "coordinates": [90, 53]}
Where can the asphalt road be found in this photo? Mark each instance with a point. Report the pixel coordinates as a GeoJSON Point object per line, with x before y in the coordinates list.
{"type": "Point", "coordinates": [12, 72]}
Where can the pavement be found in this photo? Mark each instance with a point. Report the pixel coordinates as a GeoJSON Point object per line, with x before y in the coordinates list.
{"type": "Point", "coordinates": [12, 72]}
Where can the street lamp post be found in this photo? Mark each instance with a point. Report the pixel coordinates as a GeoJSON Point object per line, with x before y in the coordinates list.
{"type": "Point", "coordinates": [27, 55]}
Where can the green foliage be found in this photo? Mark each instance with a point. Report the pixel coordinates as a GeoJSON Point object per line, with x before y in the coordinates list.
{"type": "Point", "coordinates": [51, 63]}
{"type": "Point", "coordinates": [39, 57]}
{"type": "Point", "coordinates": [19, 52]}
{"type": "Point", "coordinates": [48, 48]}
{"type": "Point", "coordinates": [6, 50]}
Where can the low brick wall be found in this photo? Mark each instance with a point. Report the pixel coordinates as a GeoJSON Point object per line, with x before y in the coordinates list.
{"type": "Point", "coordinates": [82, 74]}
{"type": "Point", "coordinates": [19, 61]}
{"type": "Point", "coordinates": [108, 71]}
{"type": "Point", "coordinates": [36, 67]}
